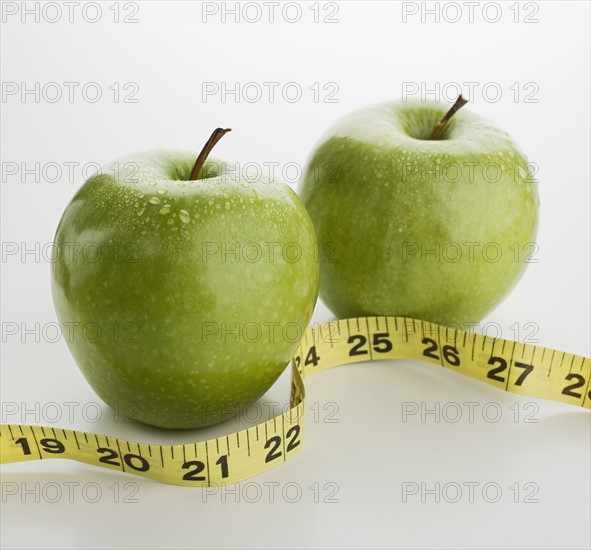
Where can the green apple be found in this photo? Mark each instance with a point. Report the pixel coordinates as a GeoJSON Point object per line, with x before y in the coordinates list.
{"type": "Point", "coordinates": [432, 216]}
{"type": "Point", "coordinates": [183, 289]}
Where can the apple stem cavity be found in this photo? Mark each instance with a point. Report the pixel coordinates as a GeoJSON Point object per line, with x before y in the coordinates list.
{"type": "Point", "coordinates": [217, 134]}
{"type": "Point", "coordinates": [460, 102]}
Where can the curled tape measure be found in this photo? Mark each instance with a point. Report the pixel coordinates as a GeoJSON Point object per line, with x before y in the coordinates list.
{"type": "Point", "coordinates": [511, 366]}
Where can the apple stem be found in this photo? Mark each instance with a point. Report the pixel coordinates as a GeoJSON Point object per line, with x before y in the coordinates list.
{"type": "Point", "coordinates": [460, 102]}
{"type": "Point", "coordinates": [217, 134]}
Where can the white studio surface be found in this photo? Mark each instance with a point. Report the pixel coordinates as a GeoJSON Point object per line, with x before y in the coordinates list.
{"type": "Point", "coordinates": [175, 61]}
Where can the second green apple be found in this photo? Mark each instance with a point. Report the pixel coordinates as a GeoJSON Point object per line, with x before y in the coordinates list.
{"type": "Point", "coordinates": [436, 229]}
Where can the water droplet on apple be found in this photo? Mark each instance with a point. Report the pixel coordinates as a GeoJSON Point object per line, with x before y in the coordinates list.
{"type": "Point", "coordinates": [162, 191]}
{"type": "Point", "coordinates": [165, 209]}
{"type": "Point", "coordinates": [154, 200]}
{"type": "Point", "coordinates": [140, 211]}
{"type": "Point", "coordinates": [227, 206]}
{"type": "Point", "coordinates": [184, 216]}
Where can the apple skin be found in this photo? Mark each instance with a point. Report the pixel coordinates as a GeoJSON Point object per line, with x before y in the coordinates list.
{"type": "Point", "coordinates": [371, 197]}
{"type": "Point", "coordinates": [165, 302]}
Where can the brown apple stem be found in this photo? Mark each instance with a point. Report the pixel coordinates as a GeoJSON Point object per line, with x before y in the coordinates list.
{"type": "Point", "coordinates": [460, 102]}
{"type": "Point", "coordinates": [217, 134]}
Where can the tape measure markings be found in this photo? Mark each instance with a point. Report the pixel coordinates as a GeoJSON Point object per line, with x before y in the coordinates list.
{"type": "Point", "coordinates": [323, 346]}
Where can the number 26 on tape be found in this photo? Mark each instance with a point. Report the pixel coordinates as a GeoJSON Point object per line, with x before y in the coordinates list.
{"type": "Point", "coordinates": [450, 353]}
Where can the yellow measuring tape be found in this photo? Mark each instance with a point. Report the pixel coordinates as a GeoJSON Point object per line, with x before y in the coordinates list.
{"type": "Point", "coordinates": [512, 366]}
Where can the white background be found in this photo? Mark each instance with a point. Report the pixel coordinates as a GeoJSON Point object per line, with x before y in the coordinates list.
{"type": "Point", "coordinates": [368, 53]}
